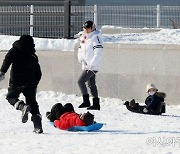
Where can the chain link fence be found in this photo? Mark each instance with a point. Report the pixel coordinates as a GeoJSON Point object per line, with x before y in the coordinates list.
{"type": "Point", "coordinates": [48, 21]}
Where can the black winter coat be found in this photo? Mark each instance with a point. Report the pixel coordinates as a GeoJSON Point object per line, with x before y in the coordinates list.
{"type": "Point", "coordinates": [153, 101]}
{"type": "Point", "coordinates": [25, 70]}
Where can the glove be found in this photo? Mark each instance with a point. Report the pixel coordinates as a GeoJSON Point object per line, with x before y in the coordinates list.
{"type": "Point", "coordinates": [2, 76]}
{"type": "Point", "coordinates": [145, 110]}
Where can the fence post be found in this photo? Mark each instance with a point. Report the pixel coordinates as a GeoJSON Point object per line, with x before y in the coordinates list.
{"type": "Point", "coordinates": [95, 15]}
{"type": "Point", "coordinates": [67, 17]}
{"type": "Point", "coordinates": [158, 16]}
{"type": "Point", "coordinates": [31, 19]}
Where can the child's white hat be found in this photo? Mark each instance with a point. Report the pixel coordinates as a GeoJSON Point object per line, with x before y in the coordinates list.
{"type": "Point", "coordinates": [151, 86]}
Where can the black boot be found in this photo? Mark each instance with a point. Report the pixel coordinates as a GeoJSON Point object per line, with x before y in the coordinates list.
{"type": "Point", "coordinates": [86, 102]}
{"type": "Point", "coordinates": [20, 105]}
{"type": "Point", "coordinates": [36, 119]}
{"type": "Point", "coordinates": [96, 105]}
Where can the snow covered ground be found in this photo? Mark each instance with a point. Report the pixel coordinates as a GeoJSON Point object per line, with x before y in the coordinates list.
{"type": "Point", "coordinates": [123, 133]}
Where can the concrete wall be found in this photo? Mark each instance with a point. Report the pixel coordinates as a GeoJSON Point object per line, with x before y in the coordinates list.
{"type": "Point", "coordinates": [126, 70]}
{"type": "Point", "coordinates": [130, 67]}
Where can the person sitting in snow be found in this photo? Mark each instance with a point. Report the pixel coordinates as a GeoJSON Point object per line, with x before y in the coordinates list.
{"type": "Point", "coordinates": [64, 117]}
{"type": "Point", "coordinates": [154, 103]}
{"type": "Point", "coordinates": [25, 75]}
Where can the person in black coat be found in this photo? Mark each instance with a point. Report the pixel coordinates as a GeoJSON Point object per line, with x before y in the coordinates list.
{"type": "Point", "coordinates": [25, 75]}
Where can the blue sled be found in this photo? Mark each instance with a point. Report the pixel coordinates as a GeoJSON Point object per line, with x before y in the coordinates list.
{"type": "Point", "coordinates": [89, 128]}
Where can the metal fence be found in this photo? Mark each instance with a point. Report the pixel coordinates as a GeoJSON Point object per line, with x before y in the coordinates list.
{"type": "Point", "coordinates": [138, 16]}
{"type": "Point", "coordinates": [127, 16]}
{"type": "Point", "coordinates": [40, 21]}
{"type": "Point", "coordinates": [48, 21]}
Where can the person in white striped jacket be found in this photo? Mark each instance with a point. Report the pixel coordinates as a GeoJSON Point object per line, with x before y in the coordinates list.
{"type": "Point", "coordinates": [90, 55]}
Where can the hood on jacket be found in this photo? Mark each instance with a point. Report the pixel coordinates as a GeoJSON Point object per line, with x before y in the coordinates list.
{"type": "Point", "coordinates": [25, 44]}
{"type": "Point", "coordinates": [161, 94]}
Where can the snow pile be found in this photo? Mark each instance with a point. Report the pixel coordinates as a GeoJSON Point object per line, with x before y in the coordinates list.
{"type": "Point", "coordinates": [124, 132]}
{"type": "Point", "coordinates": [165, 36]}
{"type": "Point", "coordinates": [41, 43]}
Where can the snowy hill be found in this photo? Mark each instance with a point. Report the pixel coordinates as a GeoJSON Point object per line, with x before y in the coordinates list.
{"type": "Point", "coordinates": [123, 133]}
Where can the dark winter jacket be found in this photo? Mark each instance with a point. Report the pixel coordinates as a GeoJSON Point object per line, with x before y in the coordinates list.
{"type": "Point", "coordinates": [25, 70]}
{"type": "Point", "coordinates": [153, 101]}
{"type": "Point", "coordinates": [68, 120]}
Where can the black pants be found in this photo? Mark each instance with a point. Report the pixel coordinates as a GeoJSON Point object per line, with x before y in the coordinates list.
{"type": "Point", "coordinates": [30, 96]}
{"type": "Point", "coordinates": [90, 77]}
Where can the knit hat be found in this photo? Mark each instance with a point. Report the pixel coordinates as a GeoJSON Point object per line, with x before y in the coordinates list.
{"type": "Point", "coordinates": [89, 24]}
{"type": "Point", "coordinates": [56, 111]}
{"type": "Point", "coordinates": [68, 107]}
{"type": "Point", "coordinates": [151, 86]}
{"type": "Point", "coordinates": [88, 118]}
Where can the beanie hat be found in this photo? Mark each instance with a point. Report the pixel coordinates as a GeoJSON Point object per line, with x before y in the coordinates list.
{"type": "Point", "coordinates": [88, 118]}
{"type": "Point", "coordinates": [57, 110]}
{"type": "Point", "coordinates": [68, 107]}
{"type": "Point", "coordinates": [151, 86]}
{"type": "Point", "coordinates": [89, 24]}
{"type": "Point", "coordinates": [26, 40]}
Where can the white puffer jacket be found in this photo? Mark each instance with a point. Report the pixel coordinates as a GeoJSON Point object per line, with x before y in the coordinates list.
{"type": "Point", "coordinates": [90, 50]}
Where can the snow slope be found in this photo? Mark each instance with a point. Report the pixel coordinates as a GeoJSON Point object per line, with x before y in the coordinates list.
{"type": "Point", "coordinates": [123, 133]}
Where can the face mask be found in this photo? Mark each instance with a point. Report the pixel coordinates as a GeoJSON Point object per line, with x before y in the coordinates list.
{"type": "Point", "coordinates": [151, 93]}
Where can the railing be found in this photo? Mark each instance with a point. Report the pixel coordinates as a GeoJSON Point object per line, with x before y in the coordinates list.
{"type": "Point", "coordinates": [65, 21]}
{"type": "Point", "coordinates": [138, 16]}
{"type": "Point", "coordinates": [40, 21]}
